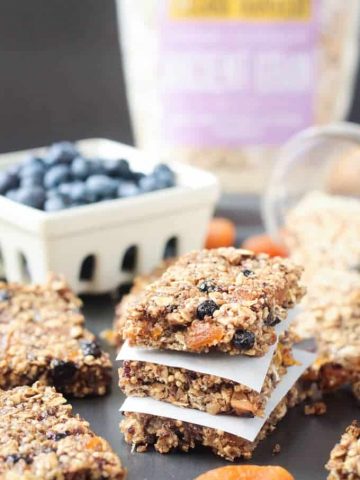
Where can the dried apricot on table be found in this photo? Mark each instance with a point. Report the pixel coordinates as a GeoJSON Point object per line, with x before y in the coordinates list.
{"type": "Point", "coordinates": [265, 244]}
{"type": "Point", "coordinates": [221, 233]}
{"type": "Point", "coordinates": [246, 472]}
{"type": "Point", "coordinates": [203, 334]}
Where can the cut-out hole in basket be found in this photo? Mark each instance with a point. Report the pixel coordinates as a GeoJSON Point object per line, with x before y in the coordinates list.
{"type": "Point", "coordinates": [129, 260]}
{"type": "Point", "coordinates": [171, 248]}
{"type": "Point", "coordinates": [87, 269]}
{"type": "Point", "coordinates": [24, 268]}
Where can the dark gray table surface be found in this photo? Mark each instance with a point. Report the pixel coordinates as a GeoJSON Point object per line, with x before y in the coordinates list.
{"type": "Point", "coordinates": [305, 440]}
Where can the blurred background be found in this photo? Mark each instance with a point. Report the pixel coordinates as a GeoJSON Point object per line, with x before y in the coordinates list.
{"type": "Point", "coordinates": [61, 73]}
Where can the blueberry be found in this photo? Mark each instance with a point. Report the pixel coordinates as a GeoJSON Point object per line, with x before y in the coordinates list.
{"type": "Point", "coordinates": [61, 152]}
{"type": "Point", "coordinates": [124, 170]}
{"type": "Point", "coordinates": [56, 435]}
{"type": "Point", "coordinates": [148, 183]}
{"type": "Point", "coordinates": [112, 167]}
{"type": "Point", "coordinates": [206, 309]}
{"type": "Point", "coordinates": [127, 189]}
{"type": "Point", "coordinates": [56, 175]}
{"type": "Point", "coordinates": [62, 372]}
{"type": "Point", "coordinates": [32, 160]}
{"type": "Point", "coordinates": [90, 348]}
{"type": "Point", "coordinates": [271, 320]}
{"type": "Point", "coordinates": [102, 186]}
{"type": "Point", "coordinates": [97, 167]}
{"type": "Point", "coordinates": [81, 168]}
{"type": "Point", "coordinates": [56, 203]}
{"type": "Point", "coordinates": [248, 273]}
{"type": "Point", "coordinates": [4, 295]}
{"type": "Point", "coordinates": [32, 181]}
{"type": "Point", "coordinates": [12, 195]}
{"type": "Point", "coordinates": [78, 192]}
{"type": "Point", "coordinates": [207, 286]}
{"type": "Point", "coordinates": [31, 196]}
{"type": "Point", "coordinates": [8, 181]}
{"type": "Point", "coordinates": [243, 339]}
{"type": "Point", "coordinates": [164, 175]}
{"type": "Point", "coordinates": [32, 167]}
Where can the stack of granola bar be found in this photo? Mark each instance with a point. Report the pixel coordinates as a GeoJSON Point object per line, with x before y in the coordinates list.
{"type": "Point", "coordinates": [207, 360]}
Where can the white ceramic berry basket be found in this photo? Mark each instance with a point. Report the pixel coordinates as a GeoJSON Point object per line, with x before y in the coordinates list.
{"type": "Point", "coordinates": [97, 239]}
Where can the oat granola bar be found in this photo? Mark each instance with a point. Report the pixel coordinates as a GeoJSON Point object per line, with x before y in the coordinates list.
{"type": "Point", "coordinates": [41, 439]}
{"type": "Point", "coordinates": [164, 434]}
{"type": "Point", "coordinates": [344, 462]}
{"type": "Point", "coordinates": [226, 299]}
{"type": "Point", "coordinates": [204, 392]}
{"type": "Point", "coordinates": [42, 338]}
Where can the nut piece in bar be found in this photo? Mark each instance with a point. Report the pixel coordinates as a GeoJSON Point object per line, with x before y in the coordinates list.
{"type": "Point", "coordinates": [225, 299]}
{"type": "Point", "coordinates": [43, 338]}
{"type": "Point", "coordinates": [40, 438]}
{"type": "Point", "coordinates": [344, 462]}
{"type": "Point", "coordinates": [204, 392]}
{"type": "Point", "coordinates": [165, 435]}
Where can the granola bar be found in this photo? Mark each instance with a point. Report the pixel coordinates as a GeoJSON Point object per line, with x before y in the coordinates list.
{"type": "Point", "coordinates": [164, 434]}
{"type": "Point", "coordinates": [204, 392]}
{"type": "Point", "coordinates": [226, 299]}
{"type": "Point", "coordinates": [344, 462]}
{"type": "Point", "coordinates": [42, 338]}
{"type": "Point", "coordinates": [41, 439]}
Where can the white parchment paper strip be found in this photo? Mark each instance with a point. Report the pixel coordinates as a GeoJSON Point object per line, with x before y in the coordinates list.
{"type": "Point", "coordinates": [246, 428]}
{"type": "Point", "coordinates": [249, 371]}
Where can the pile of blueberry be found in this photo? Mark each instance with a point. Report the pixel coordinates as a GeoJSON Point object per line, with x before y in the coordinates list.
{"type": "Point", "coordinates": [63, 178]}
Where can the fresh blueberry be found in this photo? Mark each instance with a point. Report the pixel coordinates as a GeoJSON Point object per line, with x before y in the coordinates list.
{"type": "Point", "coordinates": [12, 195]}
{"type": "Point", "coordinates": [81, 168]}
{"type": "Point", "coordinates": [31, 196]}
{"type": "Point", "coordinates": [32, 161]}
{"type": "Point", "coordinates": [127, 189]}
{"type": "Point", "coordinates": [97, 167]}
{"type": "Point", "coordinates": [62, 372]}
{"type": "Point", "coordinates": [52, 192]}
{"type": "Point", "coordinates": [102, 186]}
{"type": "Point", "coordinates": [32, 170]}
{"type": "Point", "coordinates": [34, 181]}
{"type": "Point", "coordinates": [76, 191]}
{"type": "Point", "coordinates": [124, 170]}
{"type": "Point", "coordinates": [243, 339]}
{"type": "Point", "coordinates": [57, 175]}
{"type": "Point", "coordinates": [112, 167]}
{"type": "Point", "coordinates": [8, 181]}
{"type": "Point", "coordinates": [148, 184]}
{"type": "Point", "coordinates": [206, 309]}
{"type": "Point", "coordinates": [164, 175]}
{"type": "Point", "coordinates": [61, 152]}
{"type": "Point", "coordinates": [90, 348]}
{"type": "Point", "coordinates": [55, 203]}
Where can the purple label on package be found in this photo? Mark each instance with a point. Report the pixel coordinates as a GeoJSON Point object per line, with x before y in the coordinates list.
{"type": "Point", "coordinates": [228, 79]}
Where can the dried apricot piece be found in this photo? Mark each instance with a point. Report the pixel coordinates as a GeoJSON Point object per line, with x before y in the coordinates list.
{"type": "Point", "coordinates": [246, 472]}
{"type": "Point", "coordinates": [203, 334]}
{"type": "Point", "coordinates": [221, 233]}
{"type": "Point", "coordinates": [265, 244]}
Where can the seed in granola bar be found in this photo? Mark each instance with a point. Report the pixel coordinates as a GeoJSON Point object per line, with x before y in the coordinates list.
{"type": "Point", "coordinates": [4, 295]}
{"type": "Point", "coordinates": [248, 273]}
{"type": "Point", "coordinates": [272, 320]}
{"type": "Point", "coordinates": [90, 348]}
{"type": "Point", "coordinates": [207, 286]}
{"type": "Point", "coordinates": [62, 372]}
{"type": "Point", "coordinates": [206, 309]}
{"type": "Point", "coordinates": [243, 339]}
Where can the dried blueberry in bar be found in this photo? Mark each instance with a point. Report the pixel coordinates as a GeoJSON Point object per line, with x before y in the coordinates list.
{"type": "Point", "coordinates": [344, 462]}
{"type": "Point", "coordinates": [43, 338]}
{"type": "Point", "coordinates": [208, 393]}
{"type": "Point", "coordinates": [40, 438]}
{"type": "Point", "coordinates": [208, 300]}
{"type": "Point", "coordinates": [164, 434]}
